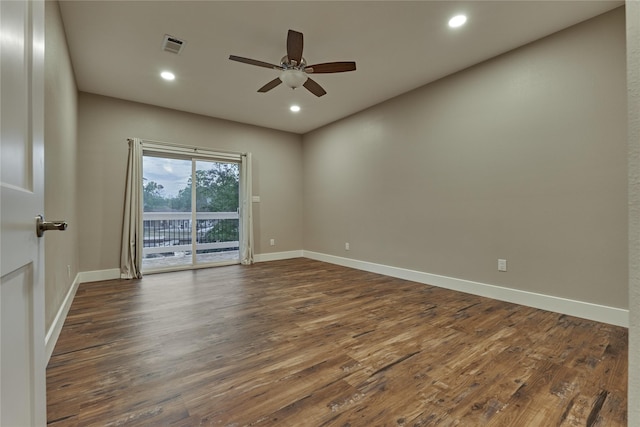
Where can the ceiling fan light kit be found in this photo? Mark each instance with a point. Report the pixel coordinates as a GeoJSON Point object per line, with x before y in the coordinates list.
{"type": "Point", "coordinates": [294, 69]}
{"type": "Point", "coordinates": [293, 78]}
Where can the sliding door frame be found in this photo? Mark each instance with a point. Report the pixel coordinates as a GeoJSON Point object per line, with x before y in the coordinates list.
{"type": "Point", "coordinates": [193, 154]}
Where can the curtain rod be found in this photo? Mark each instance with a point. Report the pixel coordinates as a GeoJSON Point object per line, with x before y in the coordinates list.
{"type": "Point", "coordinates": [187, 147]}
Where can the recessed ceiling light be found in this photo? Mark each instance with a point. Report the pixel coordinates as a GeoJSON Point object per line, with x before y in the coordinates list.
{"type": "Point", "coordinates": [457, 21]}
{"type": "Point", "coordinates": [294, 108]}
{"type": "Point", "coordinates": [167, 75]}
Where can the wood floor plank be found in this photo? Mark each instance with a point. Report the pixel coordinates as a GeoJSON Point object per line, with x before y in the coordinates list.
{"type": "Point", "coordinates": [305, 343]}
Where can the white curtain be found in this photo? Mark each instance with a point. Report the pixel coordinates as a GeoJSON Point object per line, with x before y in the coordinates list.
{"type": "Point", "coordinates": [246, 213]}
{"type": "Point", "coordinates": [131, 254]}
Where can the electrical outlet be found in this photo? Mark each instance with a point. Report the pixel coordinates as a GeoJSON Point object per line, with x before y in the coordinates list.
{"type": "Point", "coordinates": [69, 271]}
{"type": "Point", "coordinates": [346, 246]}
{"type": "Point", "coordinates": [502, 265]}
{"type": "Point", "coordinates": [272, 242]}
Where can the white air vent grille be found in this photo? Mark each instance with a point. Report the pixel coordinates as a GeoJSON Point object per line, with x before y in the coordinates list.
{"type": "Point", "coordinates": [172, 44]}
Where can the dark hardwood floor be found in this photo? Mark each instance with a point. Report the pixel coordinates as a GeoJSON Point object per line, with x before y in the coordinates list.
{"type": "Point", "coordinates": [304, 343]}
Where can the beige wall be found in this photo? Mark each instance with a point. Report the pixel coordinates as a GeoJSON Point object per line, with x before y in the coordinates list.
{"type": "Point", "coordinates": [522, 157]}
{"type": "Point", "coordinates": [106, 123]}
{"type": "Point", "coordinates": [633, 90]}
{"type": "Point", "coordinates": [61, 249]}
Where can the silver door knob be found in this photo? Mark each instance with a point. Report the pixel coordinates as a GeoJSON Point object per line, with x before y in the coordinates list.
{"type": "Point", "coordinates": [42, 225]}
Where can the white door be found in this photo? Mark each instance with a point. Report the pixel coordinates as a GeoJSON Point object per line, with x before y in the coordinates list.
{"type": "Point", "coordinates": [22, 353]}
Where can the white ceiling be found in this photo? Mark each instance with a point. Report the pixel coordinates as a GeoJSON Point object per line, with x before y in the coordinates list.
{"type": "Point", "coordinates": [398, 46]}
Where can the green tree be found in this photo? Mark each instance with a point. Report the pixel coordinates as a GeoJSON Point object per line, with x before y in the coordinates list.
{"type": "Point", "coordinates": [182, 202]}
{"type": "Point", "coordinates": [225, 230]}
{"type": "Point", "coordinates": [216, 190]}
{"type": "Point", "coordinates": [153, 199]}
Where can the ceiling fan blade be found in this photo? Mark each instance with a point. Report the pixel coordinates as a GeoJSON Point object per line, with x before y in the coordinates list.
{"type": "Point", "coordinates": [254, 62]}
{"type": "Point", "coordinates": [273, 83]}
{"type": "Point", "coordinates": [314, 88]}
{"type": "Point", "coordinates": [331, 67]}
{"type": "Point", "coordinates": [294, 46]}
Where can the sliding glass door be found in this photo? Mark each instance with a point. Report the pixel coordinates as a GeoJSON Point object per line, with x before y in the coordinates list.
{"type": "Point", "coordinates": [191, 206]}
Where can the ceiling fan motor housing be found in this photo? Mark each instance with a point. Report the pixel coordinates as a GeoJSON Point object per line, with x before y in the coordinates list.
{"type": "Point", "coordinates": [287, 64]}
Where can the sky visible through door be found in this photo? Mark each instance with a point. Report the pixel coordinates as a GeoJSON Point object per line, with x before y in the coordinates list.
{"type": "Point", "coordinates": [174, 174]}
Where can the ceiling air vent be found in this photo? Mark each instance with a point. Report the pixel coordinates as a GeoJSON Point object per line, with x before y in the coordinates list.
{"type": "Point", "coordinates": [172, 44]}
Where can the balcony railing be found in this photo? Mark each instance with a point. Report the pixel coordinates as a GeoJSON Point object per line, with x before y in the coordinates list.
{"type": "Point", "coordinates": [170, 232]}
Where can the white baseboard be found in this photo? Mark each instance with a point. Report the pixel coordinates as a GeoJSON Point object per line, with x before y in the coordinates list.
{"type": "Point", "coordinates": [53, 333]}
{"type": "Point", "coordinates": [585, 310]}
{"type": "Point", "coordinates": [276, 256]}
{"type": "Point", "coordinates": [99, 275]}
{"type": "Point", "coordinates": [114, 273]}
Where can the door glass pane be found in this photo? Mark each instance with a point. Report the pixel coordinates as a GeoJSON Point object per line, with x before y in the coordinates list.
{"type": "Point", "coordinates": [217, 218]}
{"type": "Point", "coordinates": [167, 213]}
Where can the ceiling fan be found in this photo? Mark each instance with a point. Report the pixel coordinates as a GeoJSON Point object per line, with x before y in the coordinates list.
{"type": "Point", "coordinates": [294, 68]}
